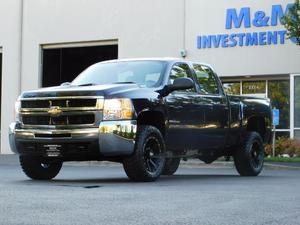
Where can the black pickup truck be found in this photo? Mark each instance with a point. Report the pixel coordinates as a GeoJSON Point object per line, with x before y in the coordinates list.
{"type": "Point", "coordinates": [145, 113]}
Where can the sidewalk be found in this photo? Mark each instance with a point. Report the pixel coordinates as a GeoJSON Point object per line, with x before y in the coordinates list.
{"type": "Point", "coordinates": [12, 159]}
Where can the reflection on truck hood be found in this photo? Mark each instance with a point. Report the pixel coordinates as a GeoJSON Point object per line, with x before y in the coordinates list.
{"type": "Point", "coordinates": [95, 90]}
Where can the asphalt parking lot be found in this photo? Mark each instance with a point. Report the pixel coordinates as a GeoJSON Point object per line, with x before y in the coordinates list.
{"type": "Point", "coordinates": [102, 194]}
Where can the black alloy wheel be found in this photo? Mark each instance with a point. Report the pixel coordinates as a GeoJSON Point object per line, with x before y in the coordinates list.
{"type": "Point", "coordinates": [249, 158]}
{"type": "Point", "coordinates": [148, 160]}
{"type": "Point", "coordinates": [152, 154]}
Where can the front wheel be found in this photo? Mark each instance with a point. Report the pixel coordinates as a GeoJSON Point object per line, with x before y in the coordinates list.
{"type": "Point", "coordinates": [148, 160]}
{"type": "Point", "coordinates": [249, 159]}
{"type": "Point", "coordinates": [36, 169]}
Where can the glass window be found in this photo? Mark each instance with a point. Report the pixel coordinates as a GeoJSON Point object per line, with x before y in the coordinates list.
{"type": "Point", "coordinates": [285, 134]}
{"type": "Point", "coordinates": [279, 94]}
{"type": "Point", "coordinates": [179, 71]}
{"type": "Point", "coordinates": [254, 87]}
{"type": "Point", "coordinates": [297, 102]}
{"type": "Point", "coordinates": [297, 135]}
{"type": "Point", "coordinates": [232, 88]}
{"type": "Point", "coordinates": [145, 73]}
{"type": "Point", "coordinates": [206, 79]}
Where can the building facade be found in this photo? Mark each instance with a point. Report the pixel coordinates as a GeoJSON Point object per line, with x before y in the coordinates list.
{"type": "Point", "coordinates": [47, 42]}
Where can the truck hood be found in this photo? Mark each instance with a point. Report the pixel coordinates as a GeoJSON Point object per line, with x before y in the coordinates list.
{"type": "Point", "coordinates": [95, 90]}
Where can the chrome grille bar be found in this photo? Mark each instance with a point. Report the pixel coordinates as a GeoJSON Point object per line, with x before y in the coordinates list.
{"type": "Point", "coordinates": [73, 111]}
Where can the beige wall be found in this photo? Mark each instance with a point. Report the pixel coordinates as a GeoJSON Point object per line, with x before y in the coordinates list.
{"type": "Point", "coordinates": [142, 28]}
{"type": "Point", "coordinates": [10, 44]}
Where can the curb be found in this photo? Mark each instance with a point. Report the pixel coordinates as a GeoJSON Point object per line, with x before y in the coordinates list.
{"type": "Point", "coordinates": [278, 166]}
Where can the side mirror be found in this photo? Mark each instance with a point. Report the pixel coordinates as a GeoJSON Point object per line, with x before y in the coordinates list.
{"type": "Point", "coordinates": [182, 83]}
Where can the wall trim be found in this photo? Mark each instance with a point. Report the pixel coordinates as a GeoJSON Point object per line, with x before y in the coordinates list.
{"type": "Point", "coordinates": [79, 44]}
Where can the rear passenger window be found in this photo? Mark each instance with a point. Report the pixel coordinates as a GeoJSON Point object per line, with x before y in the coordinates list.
{"type": "Point", "coordinates": [181, 70]}
{"type": "Point", "coordinates": [206, 80]}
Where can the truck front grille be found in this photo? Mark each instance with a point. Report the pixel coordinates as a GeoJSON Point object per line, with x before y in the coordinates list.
{"type": "Point", "coordinates": [64, 103]}
{"type": "Point", "coordinates": [61, 120]}
{"type": "Point", "coordinates": [61, 111]}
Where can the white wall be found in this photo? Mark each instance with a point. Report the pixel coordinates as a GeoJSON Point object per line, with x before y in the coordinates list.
{"type": "Point", "coordinates": [10, 44]}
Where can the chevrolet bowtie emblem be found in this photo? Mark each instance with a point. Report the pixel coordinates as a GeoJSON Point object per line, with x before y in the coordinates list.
{"type": "Point", "coordinates": [55, 111]}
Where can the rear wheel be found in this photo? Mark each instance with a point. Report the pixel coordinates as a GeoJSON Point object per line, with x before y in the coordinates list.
{"type": "Point", "coordinates": [249, 159]}
{"type": "Point", "coordinates": [36, 169]}
{"type": "Point", "coordinates": [148, 159]}
{"type": "Point", "coordinates": [171, 166]}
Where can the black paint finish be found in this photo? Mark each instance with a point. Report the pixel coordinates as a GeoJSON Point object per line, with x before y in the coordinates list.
{"type": "Point", "coordinates": [194, 124]}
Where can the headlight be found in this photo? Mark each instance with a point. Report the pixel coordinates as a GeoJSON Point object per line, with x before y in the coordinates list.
{"type": "Point", "coordinates": [117, 109]}
{"type": "Point", "coordinates": [17, 109]}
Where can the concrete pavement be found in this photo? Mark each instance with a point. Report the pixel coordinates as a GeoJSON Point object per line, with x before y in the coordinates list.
{"type": "Point", "coordinates": [102, 194]}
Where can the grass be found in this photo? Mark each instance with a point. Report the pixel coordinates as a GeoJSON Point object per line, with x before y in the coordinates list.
{"type": "Point", "coordinates": [282, 159]}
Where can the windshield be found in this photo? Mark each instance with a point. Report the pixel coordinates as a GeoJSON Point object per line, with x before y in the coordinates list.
{"type": "Point", "coordinates": [143, 73]}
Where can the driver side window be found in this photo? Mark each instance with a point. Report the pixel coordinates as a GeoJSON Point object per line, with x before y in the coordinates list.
{"type": "Point", "coordinates": [178, 71]}
{"type": "Point", "coordinates": [206, 80]}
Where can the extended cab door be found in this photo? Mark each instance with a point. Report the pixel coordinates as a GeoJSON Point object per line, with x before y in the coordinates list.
{"type": "Point", "coordinates": [186, 116]}
{"type": "Point", "coordinates": [216, 107]}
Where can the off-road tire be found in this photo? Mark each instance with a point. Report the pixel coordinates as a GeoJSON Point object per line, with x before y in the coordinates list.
{"type": "Point", "coordinates": [171, 166]}
{"type": "Point", "coordinates": [249, 158]}
{"type": "Point", "coordinates": [138, 166]}
{"type": "Point", "coordinates": [35, 169]}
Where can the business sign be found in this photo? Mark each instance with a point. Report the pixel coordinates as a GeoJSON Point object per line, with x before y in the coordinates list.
{"type": "Point", "coordinates": [243, 17]}
{"type": "Point", "coordinates": [275, 117]}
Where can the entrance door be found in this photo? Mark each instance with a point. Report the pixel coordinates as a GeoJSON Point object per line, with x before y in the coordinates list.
{"type": "Point", "coordinates": [296, 104]}
{"type": "Point", "coordinates": [64, 64]}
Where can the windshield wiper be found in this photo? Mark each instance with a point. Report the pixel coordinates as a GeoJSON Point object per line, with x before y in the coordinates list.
{"type": "Point", "coordinates": [87, 84]}
{"type": "Point", "coordinates": [92, 84]}
{"type": "Point", "coordinates": [124, 82]}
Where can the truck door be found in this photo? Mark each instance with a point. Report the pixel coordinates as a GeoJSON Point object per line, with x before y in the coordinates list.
{"type": "Point", "coordinates": [185, 115]}
{"type": "Point", "coordinates": [216, 107]}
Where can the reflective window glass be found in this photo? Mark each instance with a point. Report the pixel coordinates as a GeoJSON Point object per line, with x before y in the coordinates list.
{"type": "Point", "coordinates": [297, 102]}
{"type": "Point", "coordinates": [279, 94]}
{"type": "Point", "coordinates": [232, 88]}
{"type": "Point", "coordinates": [297, 135]}
{"type": "Point", "coordinates": [285, 134]}
{"type": "Point", "coordinates": [206, 79]}
{"type": "Point", "coordinates": [178, 71]}
{"type": "Point", "coordinates": [254, 87]}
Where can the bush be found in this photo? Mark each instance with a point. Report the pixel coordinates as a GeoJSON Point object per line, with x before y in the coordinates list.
{"type": "Point", "coordinates": [298, 152]}
{"type": "Point", "coordinates": [284, 145]}
{"type": "Point", "coordinates": [268, 150]}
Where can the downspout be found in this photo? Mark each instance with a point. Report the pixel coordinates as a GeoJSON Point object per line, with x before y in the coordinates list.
{"type": "Point", "coordinates": [21, 9]}
{"type": "Point", "coordinates": [183, 52]}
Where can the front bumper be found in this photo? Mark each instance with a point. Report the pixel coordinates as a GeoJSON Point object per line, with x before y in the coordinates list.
{"type": "Point", "coordinates": [111, 138]}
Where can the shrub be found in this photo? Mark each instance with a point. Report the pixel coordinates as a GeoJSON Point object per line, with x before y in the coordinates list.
{"type": "Point", "coordinates": [268, 149]}
{"type": "Point", "coordinates": [284, 145]}
{"type": "Point", "coordinates": [298, 150]}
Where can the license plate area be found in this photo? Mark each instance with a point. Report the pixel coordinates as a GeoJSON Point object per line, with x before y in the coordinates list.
{"type": "Point", "coordinates": [53, 150]}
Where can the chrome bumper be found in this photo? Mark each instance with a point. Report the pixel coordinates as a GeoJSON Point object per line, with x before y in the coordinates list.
{"type": "Point", "coordinates": [114, 137]}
